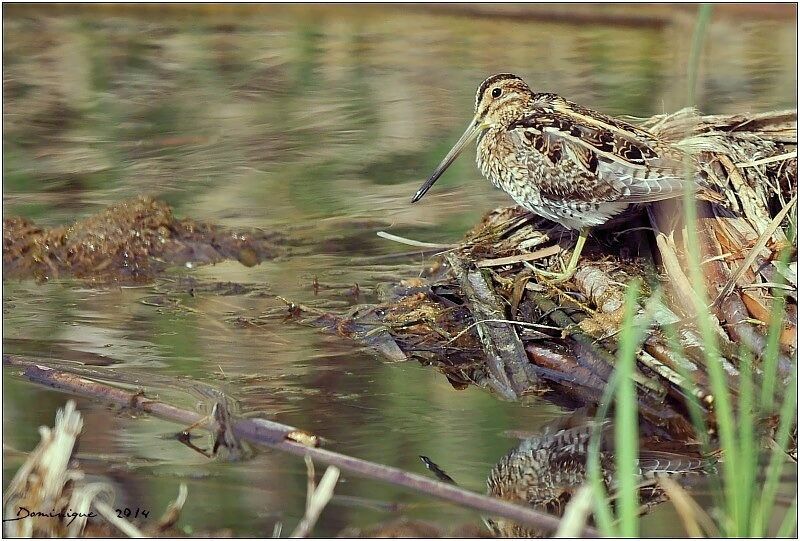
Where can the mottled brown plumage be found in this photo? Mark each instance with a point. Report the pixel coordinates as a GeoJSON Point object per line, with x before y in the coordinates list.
{"type": "Point", "coordinates": [546, 470]}
{"type": "Point", "coordinates": [567, 163]}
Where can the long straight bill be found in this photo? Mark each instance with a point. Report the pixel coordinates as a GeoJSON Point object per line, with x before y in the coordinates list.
{"type": "Point", "coordinates": [470, 133]}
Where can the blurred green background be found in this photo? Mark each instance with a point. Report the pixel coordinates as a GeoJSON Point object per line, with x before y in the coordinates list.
{"type": "Point", "coordinates": [322, 121]}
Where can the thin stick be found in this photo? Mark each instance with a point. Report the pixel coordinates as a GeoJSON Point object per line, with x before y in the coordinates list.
{"type": "Point", "coordinates": [519, 258]}
{"type": "Point", "coordinates": [412, 242]}
{"type": "Point", "coordinates": [274, 435]}
{"type": "Point", "coordinates": [121, 524]}
{"type": "Point", "coordinates": [312, 480]}
{"type": "Point", "coordinates": [577, 512]}
{"type": "Point", "coordinates": [771, 159]}
{"type": "Point", "coordinates": [768, 285]}
{"type": "Point", "coordinates": [317, 502]}
{"type": "Point", "coordinates": [689, 511]}
{"type": "Point", "coordinates": [508, 321]}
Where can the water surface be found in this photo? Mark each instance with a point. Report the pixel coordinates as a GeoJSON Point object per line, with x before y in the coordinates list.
{"type": "Point", "coordinates": [321, 122]}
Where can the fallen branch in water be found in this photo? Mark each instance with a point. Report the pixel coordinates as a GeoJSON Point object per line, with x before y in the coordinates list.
{"type": "Point", "coordinates": [505, 354]}
{"type": "Point", "coordinates": [277, 436]}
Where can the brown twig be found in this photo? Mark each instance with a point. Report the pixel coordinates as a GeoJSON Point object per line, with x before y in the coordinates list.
{"type": "Point", "coordinates": [505, 354]}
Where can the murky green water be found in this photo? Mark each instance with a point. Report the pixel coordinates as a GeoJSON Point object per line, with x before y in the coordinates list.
{"type": "Point", "coordinates": [320, 122]}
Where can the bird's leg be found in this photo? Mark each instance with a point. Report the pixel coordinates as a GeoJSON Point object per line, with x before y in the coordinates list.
{"type": "Point", "coordinates": [572, 266]}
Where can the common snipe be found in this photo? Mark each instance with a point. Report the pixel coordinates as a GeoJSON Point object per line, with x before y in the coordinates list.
{"type": "Point", "coordinates": [546, 470]}
{"type": "Point", "coordinates": [564, 162]}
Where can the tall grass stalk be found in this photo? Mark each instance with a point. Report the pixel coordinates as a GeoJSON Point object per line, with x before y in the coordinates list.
{"type": "Point", "coordinates": [787, 417]}
{"type": "Point", "coordinates": [744, 506]}
{"type": "Point", "coordinates": [626, 426]}
{"type": "Point", "coordinates": [603, 513]}
{"type": "Point", "coordinates": [788, 527]}
{"type": "Point", "coordinates": [719, 386]}
{"type": "Point", "coordinates": [747, 448]}
{"type": "Point", "coordinates": [745, 511]}
{"type": "Point", "coordinates": [698, 37]}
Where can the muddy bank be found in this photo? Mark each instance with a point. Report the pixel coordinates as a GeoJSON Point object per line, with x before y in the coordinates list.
{"type": "Point", "coordinates": [132, 241]}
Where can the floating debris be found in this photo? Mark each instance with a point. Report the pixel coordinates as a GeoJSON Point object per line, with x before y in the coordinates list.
{"type": "Point", "coordinates": [131, 241]}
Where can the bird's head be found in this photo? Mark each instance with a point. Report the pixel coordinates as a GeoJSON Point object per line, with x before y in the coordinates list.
{"type": "Point", "coordinates": [500, 100]}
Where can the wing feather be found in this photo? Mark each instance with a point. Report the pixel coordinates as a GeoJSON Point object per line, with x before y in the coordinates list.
{"type": "Point", "coordinates": [653, 463]}
{"type": "Point", "coordinates": [614, 162]}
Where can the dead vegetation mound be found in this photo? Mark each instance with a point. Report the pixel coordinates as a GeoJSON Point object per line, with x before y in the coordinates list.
{"type": "Point", "coordinates": [481, 315]}
{"type": "Point", "coordinates": [128, 242]}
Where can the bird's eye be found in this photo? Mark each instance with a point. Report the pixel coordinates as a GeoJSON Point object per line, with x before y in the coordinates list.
{"type": "Point", "coordinates": [496, 92]}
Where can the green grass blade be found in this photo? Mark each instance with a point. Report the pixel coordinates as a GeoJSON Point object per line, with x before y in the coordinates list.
{"type": "Point", "coordinates": [788, 527]}
{"type": "Point", "coordinates": [703, 18]}
{"type": "Point", "coordinates": [626, 425]}
{"type": "Point", "coordinates": [726, 423]}
{"type": "Point", "coordinates": [748, 446]}
{"type": "Point", "coordinates": [777, 457]}
{"type": "Point", "coordinates": [770, 360]}
{"type": "Point", "coordinates": [603, 514]}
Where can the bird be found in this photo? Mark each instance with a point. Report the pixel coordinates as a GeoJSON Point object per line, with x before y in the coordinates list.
{"type": "Point", "coordinates": [546, 470]}
{"type": "Point", "coordinates": [567, 163]}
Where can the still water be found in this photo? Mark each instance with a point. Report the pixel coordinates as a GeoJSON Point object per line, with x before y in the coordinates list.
{"type": "Point", "coordinates": [320, 122]}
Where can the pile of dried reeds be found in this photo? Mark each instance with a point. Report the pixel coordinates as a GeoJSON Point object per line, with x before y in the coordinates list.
{"type": "Point", "coordinates": [480, 314]}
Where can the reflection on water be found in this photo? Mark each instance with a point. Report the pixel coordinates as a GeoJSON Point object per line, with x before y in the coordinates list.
{"type": "Point", "coordinates": [320, 122]}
